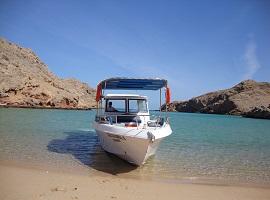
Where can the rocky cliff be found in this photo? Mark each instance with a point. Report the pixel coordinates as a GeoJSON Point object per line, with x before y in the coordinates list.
{"type": "Point", "coordinates": [248, 98]}
{"type": "Point", "coordinates": [25, 81]}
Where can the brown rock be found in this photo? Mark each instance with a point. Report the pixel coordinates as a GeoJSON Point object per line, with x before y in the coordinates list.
{"type": "Point", "coordinates": [262, 112]}
{"type": "Point", "coordinates": [248, 98]}
{"type": "Point", "coordinates": [25, 81]}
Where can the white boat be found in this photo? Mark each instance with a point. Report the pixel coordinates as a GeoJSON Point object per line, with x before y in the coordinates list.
{"type": "Point", "coordinates": [123, 123]}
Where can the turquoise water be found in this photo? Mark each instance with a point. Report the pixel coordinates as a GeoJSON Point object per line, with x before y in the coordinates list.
{"type": "Point", "coordinates": [202, 148]}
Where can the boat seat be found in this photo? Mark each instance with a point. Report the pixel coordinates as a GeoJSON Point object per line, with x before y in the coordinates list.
{"type": "Point", "coordinates": [153, 124]}
{"type": "Point", "coordinates": [156, 123]}
{"type": "Point", "coordinates": [124, 119]}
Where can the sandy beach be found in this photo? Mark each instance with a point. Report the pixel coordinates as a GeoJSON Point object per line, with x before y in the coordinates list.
{"type": "Point", "coordinates": [25, 184]}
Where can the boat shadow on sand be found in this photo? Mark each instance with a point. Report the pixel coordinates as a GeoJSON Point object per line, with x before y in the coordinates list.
{"type": "Point", "coordinates": [84, 147]}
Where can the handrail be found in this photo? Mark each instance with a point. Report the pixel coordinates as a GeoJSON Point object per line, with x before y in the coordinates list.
{"type": "Point", "coordinates": [124, 115]}
{"type": "Point", "coordinates": [108, 118]}
{"type": "Point", "coordinates": [116, 115]}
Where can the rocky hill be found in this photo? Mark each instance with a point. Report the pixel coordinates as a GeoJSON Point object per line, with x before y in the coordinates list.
{"type": "Point", "coordinates": [248, 98]}
{"type": "Point", "coordinates": [25, 81]}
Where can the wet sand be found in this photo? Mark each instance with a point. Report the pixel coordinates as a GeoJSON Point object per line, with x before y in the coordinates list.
{"type": "Point", "coordinates": [26, 184]}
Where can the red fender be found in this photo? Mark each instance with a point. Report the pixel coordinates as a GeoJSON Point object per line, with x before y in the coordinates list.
{"type": "Point", "coordinates": [168, 95]}
{"type": "Point", "coordinates": [99, 92]}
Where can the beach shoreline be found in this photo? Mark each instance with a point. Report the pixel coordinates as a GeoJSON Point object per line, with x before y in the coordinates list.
{"type": "Point", "coordinates": [82, 170]}
{"type": "Point", "coordinates": [25, 183]}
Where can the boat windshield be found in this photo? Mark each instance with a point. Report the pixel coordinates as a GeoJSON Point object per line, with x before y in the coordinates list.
{"type": "Point", "coordinates": [116, 105]}
{"type": "Point", "coordinates": [126, 105]}
{"type": "Point", "coordinates": [137, 105]}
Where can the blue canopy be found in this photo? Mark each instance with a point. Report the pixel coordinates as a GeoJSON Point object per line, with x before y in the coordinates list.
{"type": "Point", "coordinates": [133, 83]}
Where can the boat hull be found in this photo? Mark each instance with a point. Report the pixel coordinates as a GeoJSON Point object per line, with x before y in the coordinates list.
{"type": "Point", "coordinates": [132, 145]}
{"type": "Point", "coordinates": [134, 150]}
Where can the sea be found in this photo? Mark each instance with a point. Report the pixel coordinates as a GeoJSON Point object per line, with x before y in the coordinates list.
{"type": "Point", "coordinates": [203, 148]}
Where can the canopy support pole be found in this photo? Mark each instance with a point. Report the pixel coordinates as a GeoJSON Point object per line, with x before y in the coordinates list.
{"type": "Point", "coordinates": [103, 92]}
{"type": "Point", "coordinates": [160, 100]}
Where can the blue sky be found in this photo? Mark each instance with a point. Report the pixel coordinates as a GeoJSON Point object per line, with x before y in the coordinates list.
{"type": "Point", "coordinates": [199, 46]}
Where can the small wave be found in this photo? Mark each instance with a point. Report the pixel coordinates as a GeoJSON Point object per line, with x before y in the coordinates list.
{"type": "Point", "coordinates": [86, 129]}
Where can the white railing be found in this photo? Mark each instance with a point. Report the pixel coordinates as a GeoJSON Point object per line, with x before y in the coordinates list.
{"type": "Point", "coordinates": [108, 118]}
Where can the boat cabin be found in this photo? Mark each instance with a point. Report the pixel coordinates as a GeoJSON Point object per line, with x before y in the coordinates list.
{"type": "Point", "coordinates": [126, 108]}
{"type": "Point", "coordinates": [129, 110]}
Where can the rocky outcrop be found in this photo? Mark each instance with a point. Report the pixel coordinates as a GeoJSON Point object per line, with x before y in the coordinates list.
{"type": "Point", "coordinates": [25, 81]}
{"type": "Point", "coordinates": [262, 112]}
{"type": "Point", "coordinates": [248, 98]}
